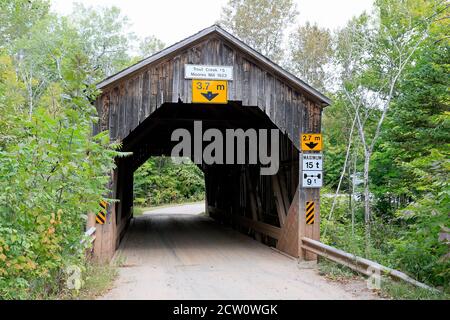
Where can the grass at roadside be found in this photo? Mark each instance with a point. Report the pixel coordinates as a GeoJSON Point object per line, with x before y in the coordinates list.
{"type": "Point", "coordinates": [390, 289]}
{"type": "Point", "coordinates": [97, 279]}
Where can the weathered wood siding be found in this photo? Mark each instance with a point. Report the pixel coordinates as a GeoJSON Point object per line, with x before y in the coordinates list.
{"type": "Point", "coordinates": [126, 103]}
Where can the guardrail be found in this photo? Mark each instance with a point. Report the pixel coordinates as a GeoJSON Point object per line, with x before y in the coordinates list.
{"type": "Point", "coordinates": [358, 264]}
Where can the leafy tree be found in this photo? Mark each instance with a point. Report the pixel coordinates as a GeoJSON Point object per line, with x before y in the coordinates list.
{"type": "Point", "coordinates": [149, 46]}
{"type": "Point", "coordinates": [260, 23]}
{"type": "Point", "coordinates": [417, 247]}
{"type": "Point", "coordinates": [376, 53]}
{"type": "Point", "coordinates": [52, 173]}
{"type": "Point", "coordinates": [40, 54]}
{"type": "Point", "coordinates": [52, 170]}
{"type": "Point", "coordinates": [393, 87]}
{"type": "Point", "coordinates": [11, 101]}
{"type": "Point", "coordinates": [411, 166]}
{"type": "Point", "coordinates": [18, 17]}
{"type": "Point", "coordinates": [419, 125]}
{"type": "Point", "coordinates": [104, 38]}
{"type": "Point", "coordinates": [310, 53]}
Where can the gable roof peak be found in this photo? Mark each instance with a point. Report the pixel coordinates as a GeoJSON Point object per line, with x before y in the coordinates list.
{"type": "Point", "coordinates": [215, 28]}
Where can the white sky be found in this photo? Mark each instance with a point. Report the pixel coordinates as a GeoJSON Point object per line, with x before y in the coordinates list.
{"type": "Point", "coordinates": [174, 20]}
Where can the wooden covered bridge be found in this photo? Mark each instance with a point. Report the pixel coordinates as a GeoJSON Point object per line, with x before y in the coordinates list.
{"type": "Point", "coordinates": [142, 105]}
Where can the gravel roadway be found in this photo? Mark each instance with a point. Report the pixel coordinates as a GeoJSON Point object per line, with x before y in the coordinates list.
{"type": "Point", "coordinates": [179, 253]}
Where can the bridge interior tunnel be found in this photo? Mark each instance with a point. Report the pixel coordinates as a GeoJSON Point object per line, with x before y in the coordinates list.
{"type": "Point", "coordinates": [237, 195]}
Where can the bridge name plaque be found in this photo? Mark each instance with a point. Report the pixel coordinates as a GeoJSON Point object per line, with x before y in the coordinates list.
{"type": "Point", "coordinates": [193, 71]}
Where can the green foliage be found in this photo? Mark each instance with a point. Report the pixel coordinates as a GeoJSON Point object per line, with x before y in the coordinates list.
{"type": "Point", "coordinates": [18, 17]}
{"type": "Point", "coordinates": [149, 46]}
{"type": "Point", "coordinates": [97, 278]}
{"type": "Point", "coordinates": [418, 125]}
{"type": "Point", "coordinates": [417, 247]}
{"type": "Point", "coordinates": [260, 23]}
{"type": "Point", "coordinates": [52, 171]}
{"type": "Point", "coordinates": [159, 181]}
{"type": "Point", "coordinates": [334, 271]}
{"type": "Point", "coordinates": [336, 125]}
{"type": "Point", "coordinates": [404, 291]}
{"type": "Point", "coordinates": [310, 52]}
{"type": "Point", "coordinates": [341, 232]}
{"type": "Point", "coordinates": [104, 38]}
{"type": "Point", "coordinates": [409, 166]}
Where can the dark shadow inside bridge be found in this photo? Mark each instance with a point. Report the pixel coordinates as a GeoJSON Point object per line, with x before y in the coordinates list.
{"type": "Point", "coordinates": [236, 194]}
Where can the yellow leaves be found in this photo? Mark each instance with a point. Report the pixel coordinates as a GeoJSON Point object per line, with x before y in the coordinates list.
{"type": "Point", "coordinates": [31, 265]}
{"type": "Point", "coordinates": [58, 216]}
{"type": "Point", "coordinates": [51, 99]}
{"type": "Point", "coordinates": [5, 60]}
{"type": "Point", "coordinates": [6, 67]}
{"type": "Point", "coordinates": [52, 220]}
{"type": "Point", "coordinates": [51, 231]}
{"type": "Point", "coordinates": [3, 272]}
{"type": "Point", "coordinates": [10, 86]}
{"type": "Point", "coordinates": [18, 266]}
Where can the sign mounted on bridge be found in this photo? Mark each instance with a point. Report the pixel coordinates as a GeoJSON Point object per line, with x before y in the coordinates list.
{"type": "Point", "coordinates": [312, 179]}
{"type": "Point", "coordinates": [312, 175]}
{"type": "Point", "coordinates": [312, 161]}
{"type": "Point", "coordinates": [311, 141]}
{"type": "Point", "coordinates": [209, 91]}
{"type": "Point", "coordinates": [310, 208]}
{"type": "Point", "coordinates": [100, 217]}
{"type": "Point", "coordinates": [192, 71]}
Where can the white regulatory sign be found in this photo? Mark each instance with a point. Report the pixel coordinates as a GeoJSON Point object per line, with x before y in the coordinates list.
{"type": "Point", "coordinates": [312, 175]}
{"type": "Point", "coordinates": [193, 71]}
{"type": "Point", "coordinates": [312, 179]}
{"type": "Point", "coordinates": [312, 161]}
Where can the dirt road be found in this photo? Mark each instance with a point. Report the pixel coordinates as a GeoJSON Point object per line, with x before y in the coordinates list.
{"type": "Point", "coordinates": [178, 253]}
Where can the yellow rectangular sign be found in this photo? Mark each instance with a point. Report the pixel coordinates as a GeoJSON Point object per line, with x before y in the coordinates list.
{"type": "Point", "coordinates": [311, 141]}
{"type": "Point", "coordinates": [209, 91]}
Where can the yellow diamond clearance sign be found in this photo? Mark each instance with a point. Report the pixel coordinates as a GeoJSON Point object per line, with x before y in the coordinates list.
{"type": "Point", "coordinates": [210, 91]}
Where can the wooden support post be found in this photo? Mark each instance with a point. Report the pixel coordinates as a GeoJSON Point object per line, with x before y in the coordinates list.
{"type": "Point", "coordinates": [90, 220]}
{"type": "Point", "coordinates": [310, 123]}
{"type": "Point", "coordinates": [106, 234]}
